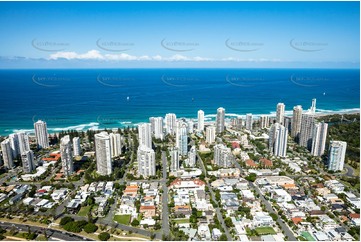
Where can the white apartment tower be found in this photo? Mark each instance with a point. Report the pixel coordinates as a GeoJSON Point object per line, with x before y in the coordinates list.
{"type": "Point", "coordinates": [174, 167]}
{"type": "Point", "coordinates": [7, 154]}
{"type": "Point", "coordinates": [170, 123]}
{"type": "Point", "coordinates": [210, 134]}
{"type": "Point", "coordinates": [249, 121]}
{"type": "Point", "coordinates": [296, 121]}
{"type": "Point", "coordinates": [27, 159]}
{"type": "Point", "coordinates": [200, 126]}
{"type": "Point", "coordinates": [41, 134]}
{"type": "Point", "coordinates": [222, 155]}
{"type": "Point", "coordinates": [182, 138]}
{"type": "Point", "coordinates": [145, 135]}
{"type": "Point", "coordinates": [66, 156]}
{"type": "Point", "coordinates": [319, 136]}
{"type": "Point", "coordinates": [76, 146]}
{"type": "Point", "coordinates": [336, 155]}
{"type": "Point", "coordinates": [277, 142]}
{"type": "Point", "coordinates": [280, 113]}
{"type": "Point", "coordinates": [103, 153]}
{"type": "Point", "coordinates": [307, 124]}
{"type": "Point", "coordinates": [220, 120]}
{"type": "Point", "coordinates": [146, 161]}
{"type": "Point", "coordinates": [264, 121]}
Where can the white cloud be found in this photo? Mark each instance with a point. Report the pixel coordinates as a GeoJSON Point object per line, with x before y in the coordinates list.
{"type": "Point", "coordinates": [96, 55]}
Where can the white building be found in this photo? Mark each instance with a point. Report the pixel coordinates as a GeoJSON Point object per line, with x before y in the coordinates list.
{"type": "Point", "coordinates": [200, 126]}
{"type": "Point", "coordinates": [170, 123]}
{"type": "Point", "coordinates": [336, 155]}
{"type": "Point", "coordinates": [192, 154]}
{"type": "Point", "coordinates": [66, 156]}
{"type": "Point", "coordinates": [27, 159]}
{"type": "Point", "coordinates": [280, 113]}
{"type": "Point", "coordinates": [174, 160]}
{"type": "Point", "coordinates": [210, 134]}
{"type": "Point", "coordinates": [222, 155]}
{"type": "Point", "coordinates": [249, 121]}
{"type": "Point", "coordinates": [41, 134]}
{"type": "Point", "coordinates": [146, 161]}
{"type": "Point", "coordinates": [306, 131]}
{"type": "Point", "coordinates": [278, 140]}
{"type": "Point", "coordinates": [7, 154]}
{"type": "Point", "coordinates": [14, 144]}
{"type": "Point", "coordinates": [76, 146]}
{"type": "Point", "coordinates": [319, 136]}
{"type": "Point", "coordinates": [264, 121]}
{"type": "Point", "coordinates": [158, 128]}
{"type": "Point", "coordinates": [116, 144]}
{"type": "Point", "coordinates": [103, 153]}
{"type": "Point", "coordinates": [145, 135]}
{"type": "Point", "coordinates": [220, 120]}
{"type": "Point", "coordinates": [182, 138]}
{"type": "Point", "coordinates": [296, 121]}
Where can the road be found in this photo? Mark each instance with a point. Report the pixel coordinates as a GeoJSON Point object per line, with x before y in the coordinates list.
{"type": "Point", "coordinates": [165, 209]}
{"type": "Point", "coordinates": [54, 233]}
{"type": "Point", "coordinates": [269, 208]}
{"type": "Point", "coordinates": [218, 211]}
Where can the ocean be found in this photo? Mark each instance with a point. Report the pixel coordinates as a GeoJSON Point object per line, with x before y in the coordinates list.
{"type": "Point", "coordinates": [110, 98]}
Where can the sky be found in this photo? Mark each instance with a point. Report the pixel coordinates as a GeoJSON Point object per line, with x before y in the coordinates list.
{"type": "Point", "coordinates": [179, 34]}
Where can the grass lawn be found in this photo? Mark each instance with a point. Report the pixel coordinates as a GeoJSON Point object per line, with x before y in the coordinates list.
{"type": "Point", "coordinates": [122, 219]}
{"type": "Point", "coordinates": [84, 211]}
{"type": "Point", "coordinates": [307, 236]}
{"type": "Point", "coordinates": [181, 221]}
{"type": "Point", "coordinates": [265, 230]}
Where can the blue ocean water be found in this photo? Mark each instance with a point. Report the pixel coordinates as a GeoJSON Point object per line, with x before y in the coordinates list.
{"type": "Point", "coordinates": [98, 98]}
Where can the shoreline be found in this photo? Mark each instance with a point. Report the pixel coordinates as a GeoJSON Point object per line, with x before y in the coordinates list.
{"type": "Point", "coordinates": [209, 118]}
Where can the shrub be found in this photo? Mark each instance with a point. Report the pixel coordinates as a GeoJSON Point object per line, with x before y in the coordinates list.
{"type": "Point", "coordinates": [104, 236]}
{"type": "Point", "coordinates": [90, 228]}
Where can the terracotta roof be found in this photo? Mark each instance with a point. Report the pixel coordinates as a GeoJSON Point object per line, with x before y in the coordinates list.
{"type": "Point", "coordinates": [182, 207]}
{"type": "Point", "coordinates": [354, 215]}
{"type": "Point", "coordinates": [288, 185]}
{"type": "Point", "coordinates": [250, 163]}
{"type": "Point", "coordinates": [297, 220]}
{"type": "Point", "coordinates": [147, 208]}
{"type": "Point", "coordinates": [266, 162]}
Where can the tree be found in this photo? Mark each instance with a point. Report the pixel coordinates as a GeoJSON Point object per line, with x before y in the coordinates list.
{"type": "Point", "coordinates": [274, 216]}
{"type": "Point", "coordinates": [223, 237]}
{"type": "Point", "coordinates": [104, 236]}
{"type": "Point", "coordinates": [90, 228]}
{"type": "Point", "coordinates": [135, 223]}
{"type": "Point", "coordinates": [72, 227]}
{"type": "Point", "coordinates": [228, 222]}
{"type": "Point", "coordinates": [66, 220]}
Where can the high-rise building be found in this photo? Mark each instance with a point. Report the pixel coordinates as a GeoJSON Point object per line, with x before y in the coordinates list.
{"type": "Point", "coordinates": [190, 126]}
{"type": "Point", "coordinates": [296, 121]}
{"type": "Point", "coordinates": [76, 146]}
{"type": "Point", "coordinates": [158, 128]}
{"type": "Point", "coordinates": [277, 142]}
{"type": "Point", "coordinates": [144, 134]}
{"type": "Point", "coordinates": [170, 123]}
{"type": "Point", "coordinates": [7, 154]}
{"type": "Point", "coordinates": [14, 144]}
{"type": "Point", "coordinates": [200, 125]}
{"type": "Point", "coordinates": [210, 134]}
{"type": "Point", "coordinates": [192, 155]}
{"type": "Point", "coordinates": [237, 123]}
{"type": "Point", "coordinates": [41, 134]}
{"type": "Point", "coordinates": [313, 106]}
{"type": "Point", "coordinates": [307, 123]}
{"type": "Point", "coordinates": [23, 142]}
{"type": "Point", "coordinates": [66, 156]}
{"type": "Point", "coordinates": [146, 161]}
{"type": "Point", "coordinates": [287, 122]}
{"type": "Point", "coordinates": [264, 121]}
{"type": "Point", "coordinates": [222, 155]}
{"type": "Point", "coordinates": [182, 138]}
{"type": "Point", "coordinates": [152, 124]}
{"type": "Point", "coordinates": [103, 153]}
{"type": "Point", "coordinates": [336, 155]}
{"type": "Point", "coordinates": [220, 120]}
{"type": "Point", "coordinates": [174, 167]}
{"type": "Point", "coordinates": [280, 113]}
{"type": "Point", "coordinates": [27, 159]}
{"type": "Point", "coordinates": [116, 144]}
{"type": "Point", "coordinates": [249, 121]}
{"type": "Point", "coordinates": [319, 136]}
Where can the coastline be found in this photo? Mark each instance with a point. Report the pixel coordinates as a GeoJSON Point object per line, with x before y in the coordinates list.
{"type": "Point", "coordinates": [209, 118]}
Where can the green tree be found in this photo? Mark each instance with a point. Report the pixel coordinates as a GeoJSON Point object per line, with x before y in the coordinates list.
{"type": "Point", "coordinates": [66, 220]}
{"type": "Point", "coordinates": [223, 237]}
{"type": "Point", "coordinates": [90, 228]}
{"type": "Point", "coordinates": [104, 236]}
{"type": "Point", "coordinates": [135, 223]}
